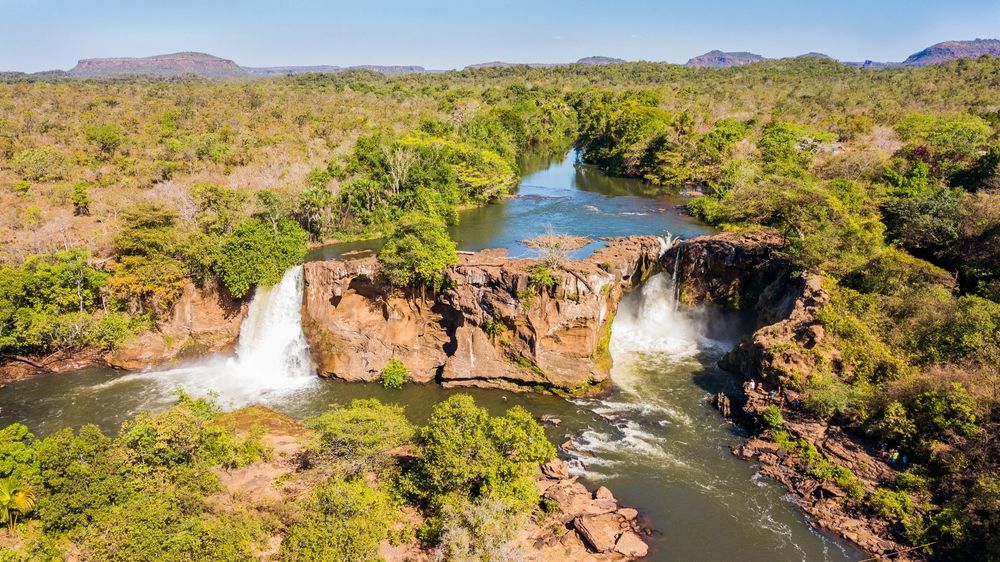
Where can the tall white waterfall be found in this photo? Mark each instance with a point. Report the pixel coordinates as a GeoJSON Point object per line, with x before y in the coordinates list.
{"type": "Point", "coordinates": [272, 349]}
{"type": "Point", "coordinates": [272, 357]}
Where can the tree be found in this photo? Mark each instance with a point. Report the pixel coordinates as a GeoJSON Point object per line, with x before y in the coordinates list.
{"type": "Point", "coordinates": [107, 138]}
{"type": "Point", "coordinates": [219, 207]}
{"type": "Point", "coordinates": [16, 498]}
{"type": "Point", "coordinates": [81, 199]}
{"type": "Point", "coordinates": [399, 160]}
{"type": "Point", "coordinates": [43, 163]}
{"type": "Point", "coordinates": [271, 208]}
{"type": "Point", "coordinates": [315, 210]}
{"type": "Point", "coordinates": [256, 254]}
{"type": "Point", "coordinates": [418, 250]}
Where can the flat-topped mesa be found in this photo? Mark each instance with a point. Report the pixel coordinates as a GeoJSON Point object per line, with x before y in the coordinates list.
{"type": "Point", "coordinates": [492, 327]}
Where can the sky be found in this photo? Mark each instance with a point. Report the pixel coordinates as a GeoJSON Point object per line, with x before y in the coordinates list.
{"type": "Point", "coordinates": [48, 34]}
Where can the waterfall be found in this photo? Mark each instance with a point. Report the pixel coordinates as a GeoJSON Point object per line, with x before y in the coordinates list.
{"type": "Point", "coordinates": [648, 321]}
{"type": "Point", "coordinates": [675, 287]}
{"type": "Point", "coordinates": [272, 356]}
{"type": "Point", "coordinates": [271, 345]}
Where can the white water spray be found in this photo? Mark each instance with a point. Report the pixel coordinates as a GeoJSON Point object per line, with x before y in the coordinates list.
{"type": "Point", "coordinates": [272, 347]}
{"type": "Point", "coordinates": [272, 356]}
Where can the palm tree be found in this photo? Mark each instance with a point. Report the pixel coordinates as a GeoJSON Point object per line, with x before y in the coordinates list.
{"type": "Point", "coordinates": [16, 498]}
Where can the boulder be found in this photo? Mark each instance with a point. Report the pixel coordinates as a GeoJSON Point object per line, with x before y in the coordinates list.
{"type": "Point", "coordinates": [628, 513]}
{"type": "Point", "coordinates": [629, 544]}
{"type": "Point", "coordinates": [556, 468]}
{"type": "Point", "coordinates": [603, 493]}
{"type": "Point", "coordinates": [600, 532]}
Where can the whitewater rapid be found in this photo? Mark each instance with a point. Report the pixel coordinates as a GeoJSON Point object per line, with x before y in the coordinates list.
{"type": "Point", "coordinates": [272, 360]}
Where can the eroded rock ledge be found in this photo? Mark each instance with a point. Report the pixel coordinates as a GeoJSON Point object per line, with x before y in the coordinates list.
{"type": "Point", "coordinates": [492, 327]}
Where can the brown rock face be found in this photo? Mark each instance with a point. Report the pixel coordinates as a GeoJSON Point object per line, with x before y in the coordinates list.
{"type": "Point", "coordinates": [203, 320]}
{"type": "Point", "coordinates": [585, 525]}
{"type": "Point", "coordinates": [491, 328]}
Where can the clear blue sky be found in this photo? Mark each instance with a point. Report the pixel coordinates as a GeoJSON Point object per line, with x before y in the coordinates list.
{"type": "Point", "coordinates": [48, 34]}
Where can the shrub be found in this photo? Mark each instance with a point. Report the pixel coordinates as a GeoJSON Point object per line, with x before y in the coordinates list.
{"type": "Point", "coordinates": [43, 163]}
{"type": "Point", "coordinates": [363, 431]}
{"type": "Point", "coordinates": [394, 374]}
{"type": "Point", "coordinates": [891, 504]}
{"type": "Point", "coordinates": [343, 520]}
{"type": "Point", "coordinates": [468, 454]}
{"type": "Point", "coordinates": [772, 418]}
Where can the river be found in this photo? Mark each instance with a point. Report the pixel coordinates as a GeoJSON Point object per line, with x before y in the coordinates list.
{"type": "Point", "coordinates": [655, 441]}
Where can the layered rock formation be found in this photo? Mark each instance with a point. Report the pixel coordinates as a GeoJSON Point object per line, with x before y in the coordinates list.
{"type": "Point", "coordinates": [492, 327]}
{"type": "Point", "coordinates": [203, 320]}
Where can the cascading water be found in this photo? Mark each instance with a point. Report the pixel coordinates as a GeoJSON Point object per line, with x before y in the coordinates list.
{"type": "Point", "coordinates": [272, 348]}
{"type": "Point", "coordinates": [656, 437]}
{"type": "Point", "coordinates": [272, 356]}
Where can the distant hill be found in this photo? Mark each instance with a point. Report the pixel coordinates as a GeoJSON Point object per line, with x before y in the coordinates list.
{"type": "Point", "coordinates": [175, 64]}
{"type": "Point", "coordinates": [719, 59]}
{"type": "Point", "coordinates": [815, 55]}
{"type": "Point", "coordinates": [209, 66]}
{"type": "Point", "coordinates": [599, 60]}
{"type": "Point", "coordinates": [588, 61]}
{"type": "Point", "coordinates": [951, 50]}
{"type": "Point", "coordinates": [328, 69]}
{"type": "Point", "coordinates": [286, 70]}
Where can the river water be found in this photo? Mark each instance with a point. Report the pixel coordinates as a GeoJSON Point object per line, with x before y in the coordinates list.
{"type": "Point", "coordinates": [655, 441]}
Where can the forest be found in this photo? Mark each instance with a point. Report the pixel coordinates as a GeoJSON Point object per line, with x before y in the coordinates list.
{"type": "Point", "coordinates": [119, 192]}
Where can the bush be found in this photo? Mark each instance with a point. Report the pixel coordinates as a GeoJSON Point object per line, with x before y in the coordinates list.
{"type": "Point", "coordinates": [468, 454]}
{"type": "Point", "coordinates": [772, 418]}
{"type": "Point", "coordinates": [891, 504]}
{"type": "Point", "coordinates": [44, 163]}
{"type": "Point", "coordinates": [343, 520]}
{"type": "Point", "coordinates": [363, 431]}
{"type": "Point", "coordinates": [394, 374]}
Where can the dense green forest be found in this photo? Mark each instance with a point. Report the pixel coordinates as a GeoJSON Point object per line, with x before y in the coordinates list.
{"type": "Point", "coordinates": [887, 182]}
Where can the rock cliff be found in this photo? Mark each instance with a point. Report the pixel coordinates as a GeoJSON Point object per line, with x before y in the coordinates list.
{"type": "Point", "coordinates": [204, 319]}
{"type": "Point", "coordinates": [492, 327]}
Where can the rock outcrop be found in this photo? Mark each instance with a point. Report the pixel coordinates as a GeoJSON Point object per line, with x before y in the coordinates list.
{"type": "Point", "coordinates": [824, 501]}
{"type": "Point", "coordinates": [492, 327]}
{"type": "Point", "coordinates": [583, 525]}
{"type": "Point", "coordinates": [748, 271]}
{"type": "Point", "coordinates": [203, 320]}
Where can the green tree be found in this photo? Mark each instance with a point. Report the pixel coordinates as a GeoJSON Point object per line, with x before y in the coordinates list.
{"type": "Point", "coordinates": [43, 163]}
{"type": "Point", "coordinates": [81, 199]}
{"type": "Point", "coordinates": [417, 251]}
{"type": "Point", "coordinates": [106, 138]}
{"type": "Point", "coordinates": [255, 254]}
